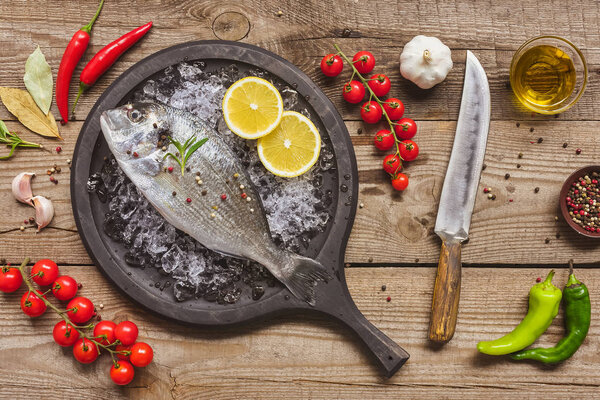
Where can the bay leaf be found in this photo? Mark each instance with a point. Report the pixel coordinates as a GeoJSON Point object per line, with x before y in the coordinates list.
{"type": "Point", "coordinates": [20, 103]}
{"type": "Point", "coordinates": [38, 80]}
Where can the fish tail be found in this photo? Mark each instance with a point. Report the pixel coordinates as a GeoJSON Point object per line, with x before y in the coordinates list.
{"type": "Point", "coordinates": [301, 275]}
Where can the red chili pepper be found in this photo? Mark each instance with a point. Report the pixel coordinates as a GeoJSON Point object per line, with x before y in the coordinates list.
{"type": "Point", "coordinates": [106, 57]}
{"type": "Point", "coordinates": [73, 53]}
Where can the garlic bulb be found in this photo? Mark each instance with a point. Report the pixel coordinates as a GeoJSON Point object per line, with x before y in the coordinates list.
{"type": "Point", "coordinates": [44, 211]}
{"type": "Point", "coordinates": [425, 61]}
{"type": "Point", "coordinates": [21, 187]}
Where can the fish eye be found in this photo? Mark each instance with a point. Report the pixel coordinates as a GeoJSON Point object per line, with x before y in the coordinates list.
{"type": "Point", "coordinates": [135, 115]}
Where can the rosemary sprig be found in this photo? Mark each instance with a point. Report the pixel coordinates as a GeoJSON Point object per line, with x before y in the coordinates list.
{"type": "Point", "coordinates": [185, 150]}
{"type": "Point", "coordinates": [12, 140]}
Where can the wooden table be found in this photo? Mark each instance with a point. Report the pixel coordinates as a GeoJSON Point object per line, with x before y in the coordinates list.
{"type": "Point", "coordinates": [512, 242]}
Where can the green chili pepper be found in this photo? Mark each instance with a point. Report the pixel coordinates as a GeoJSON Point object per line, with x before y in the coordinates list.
{"type": "Point", "coordinates": [544, 299]}
{"type": "Point", "coordinates": [577, 324]}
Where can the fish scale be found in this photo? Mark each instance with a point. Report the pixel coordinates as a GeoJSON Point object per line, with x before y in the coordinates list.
{"type": "Point", "coordinates": [234, 230]}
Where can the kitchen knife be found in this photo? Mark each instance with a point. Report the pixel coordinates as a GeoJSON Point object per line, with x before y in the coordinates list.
{"type": "Point", "coordinates": [458, 197]}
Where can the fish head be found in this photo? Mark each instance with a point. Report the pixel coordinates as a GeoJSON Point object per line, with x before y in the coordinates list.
{"type": "Point", "coordinates": [134, 128]}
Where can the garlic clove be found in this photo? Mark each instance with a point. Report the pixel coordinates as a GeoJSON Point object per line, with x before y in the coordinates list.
{"type": "Point", "coordinates": [44, 211]}
{"type": "Point", "coordinates": [21, 187]}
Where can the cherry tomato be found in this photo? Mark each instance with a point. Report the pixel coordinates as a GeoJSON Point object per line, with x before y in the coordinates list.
{"type": "Point", "coordinates": [126, 332]}
{"type": "Point", "coordinates": [408, 150]}
{"type": "Point", "coordinates": [122, 356]}
{"type": "Point", "coordinates": [85, 351]}
{"type": "Point", "coordinates": [10, 279]}
{"type": "Point", "coordinates": [64, 334]}
{"type": "Point", "coordinates": [64, 288]}
{"type": "Point", "coordinates": [32, 304]}
{"type": "Point", "coordinates": [371, 112]}
{"type": "Point", "coordinates": [141, 354]}
{"type": "Point", "coordinates": [105, 328]}
{"type": "Point", "coordinates": [122, 372]}
{"type": "Point", "coordinates": [380, 84]}
{"type": "Point", "coordinates": [353, 92]}
{"type": "Point", "coordinates": [400, 182]}
{"type": "Point", "coordinates": [332, 65]}
{"type": "Point", "coordinates": [406, 128]}
{"type": "Point", "coordinates": [44, 272]}
{"type": "Point", "coordinates": [364, 62]}
{"type": "Point", "coordinates": [392, 163]}
{"type": "Point", "coordinates": [384, 140]}
{"type": "Point", "coordinates": [394, 108]}
{"type": "Point", "coordinates": [83, 310]}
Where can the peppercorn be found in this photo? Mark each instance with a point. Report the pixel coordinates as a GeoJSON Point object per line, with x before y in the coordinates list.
{"type": "Point", "coordinates": [518, 124]}
{"type": "Point", "coordinates": [531, 129]}
{"type": "Point", "coordinates": [520, 155]}
{"type": "Point", "coordinates": [188, 200]}
{"type": "Point", "coordinates": [58, 149]}
{"type": "Point", "coordinates": [170, 169]}
{"type": "Point", "coordinates": [578, 151]}
{"type": "Point", "coordinates": [223, 196]}
{"type": "Point", "coordinates": [174, 193]}
{"type": "Point", "coordinates": [506, 176]}
{"type": "Point", "coordinates": [540, 140]}
{"type": "Point", "coordinates": [493, 197]}
{"type": "Point", "coordinates": [547, 240]}
{"type": "Point", "coordinates": [388, 299]}
{"type": "Point", "coordinates": [383, 287]}
{"type": "Point", "coordinates": [565, 144]}
{"type": "Point", "coordinates": [537, 189]}
{"type": "Point", "coordinates": [204, 192]}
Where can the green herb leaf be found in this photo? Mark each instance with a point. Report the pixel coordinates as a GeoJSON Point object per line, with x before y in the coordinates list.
{"type": "Point", "coordinates": [185, 150]}
{"type": "Point", "coordinates": [38, 80]}
{"type": "Point", "coordinates": [193, 149]}
{"type": "Point", "coordinates": [13, 140]}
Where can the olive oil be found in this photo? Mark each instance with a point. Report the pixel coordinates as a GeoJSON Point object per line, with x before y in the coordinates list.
{"type": "Point", "coordinates": [543, 78]}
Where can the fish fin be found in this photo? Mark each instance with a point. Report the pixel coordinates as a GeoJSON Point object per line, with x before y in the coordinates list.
{"type": "Point", "coordinates": [302, 275]}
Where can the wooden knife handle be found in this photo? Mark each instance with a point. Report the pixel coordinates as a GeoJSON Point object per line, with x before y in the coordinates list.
{"type": "Point", "coordinates": [446, 294]}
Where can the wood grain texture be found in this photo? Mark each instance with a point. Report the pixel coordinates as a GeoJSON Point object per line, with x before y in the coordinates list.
{"type": "Point", "coordinates": [306, 356]}
{"type": "Point", "coordinates": [446, 294]}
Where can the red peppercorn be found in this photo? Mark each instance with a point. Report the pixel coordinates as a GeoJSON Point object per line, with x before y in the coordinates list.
{"type": "Point", "coordinates": [538, 279]}
{"type": "Point", "coordinates": [578, 151]}
{"type": "Point", "coordinates": [223, 196]}
{"type": "Point", "coordinates": [510, 200]}
{"type": "Point", "coordinates": [170, 169]}
{"type": "Point", "coordinates": [188, 200]}
{"type": "Point", "coordinates": [576, 191]}
{"type": "Point", "coordinates": [244, 195]}
{"type": "Point", "coordinates": [581, 212]}
{"type": "Point", "coordinates": [51, 179]}
{"type": "Point", "coordinates": [26, 221]}
{"type": "Point", "coordinates": [569, 199]}
{"type": "Point", "coordinates": [486, 190]}
{"type": "Point", "coordinates": [135, 154]}
{"type": "Point", "coordinates": [58, 149]}
{"type": "Point", "coordinates": [583, 183]}
{"type": "Point", "coordinates": [388, 299]}
{"type": "Point", "coordinates": [594, 181]}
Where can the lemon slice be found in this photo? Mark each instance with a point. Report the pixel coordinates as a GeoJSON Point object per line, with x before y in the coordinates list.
{"type": "Point", "coordinates": [292, 148]}
{"type": "Point", "coordinates": [252, 107]}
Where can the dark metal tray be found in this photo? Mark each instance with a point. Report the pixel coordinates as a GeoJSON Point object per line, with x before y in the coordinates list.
{"type": "Point", "coordinates": [333, 298]}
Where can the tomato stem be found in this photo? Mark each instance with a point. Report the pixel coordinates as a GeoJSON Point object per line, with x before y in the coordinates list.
{"type": "Point", "coordinates": [372, 96]}
{"type": "Point", "coordinates": [79, 329]}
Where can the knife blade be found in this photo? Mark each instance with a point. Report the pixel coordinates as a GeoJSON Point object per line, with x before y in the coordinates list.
{"type": "Point", "coordinates": [458, 196]}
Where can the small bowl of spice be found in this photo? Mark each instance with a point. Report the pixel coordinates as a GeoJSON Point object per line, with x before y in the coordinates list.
{"type": "Point", "coordinates": [580, 201]}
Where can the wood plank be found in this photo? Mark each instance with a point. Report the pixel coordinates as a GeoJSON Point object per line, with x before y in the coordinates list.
{"type": "Point", "coordinates": [407, 223]}
{"type": "Point", "coordinates": [308, 356]}
{"type": "Point", "coordinates": [304, 43]}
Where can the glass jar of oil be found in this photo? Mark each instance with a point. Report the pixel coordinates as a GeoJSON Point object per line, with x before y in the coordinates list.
{"type": "Point", "coordinates": [548, 74]}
